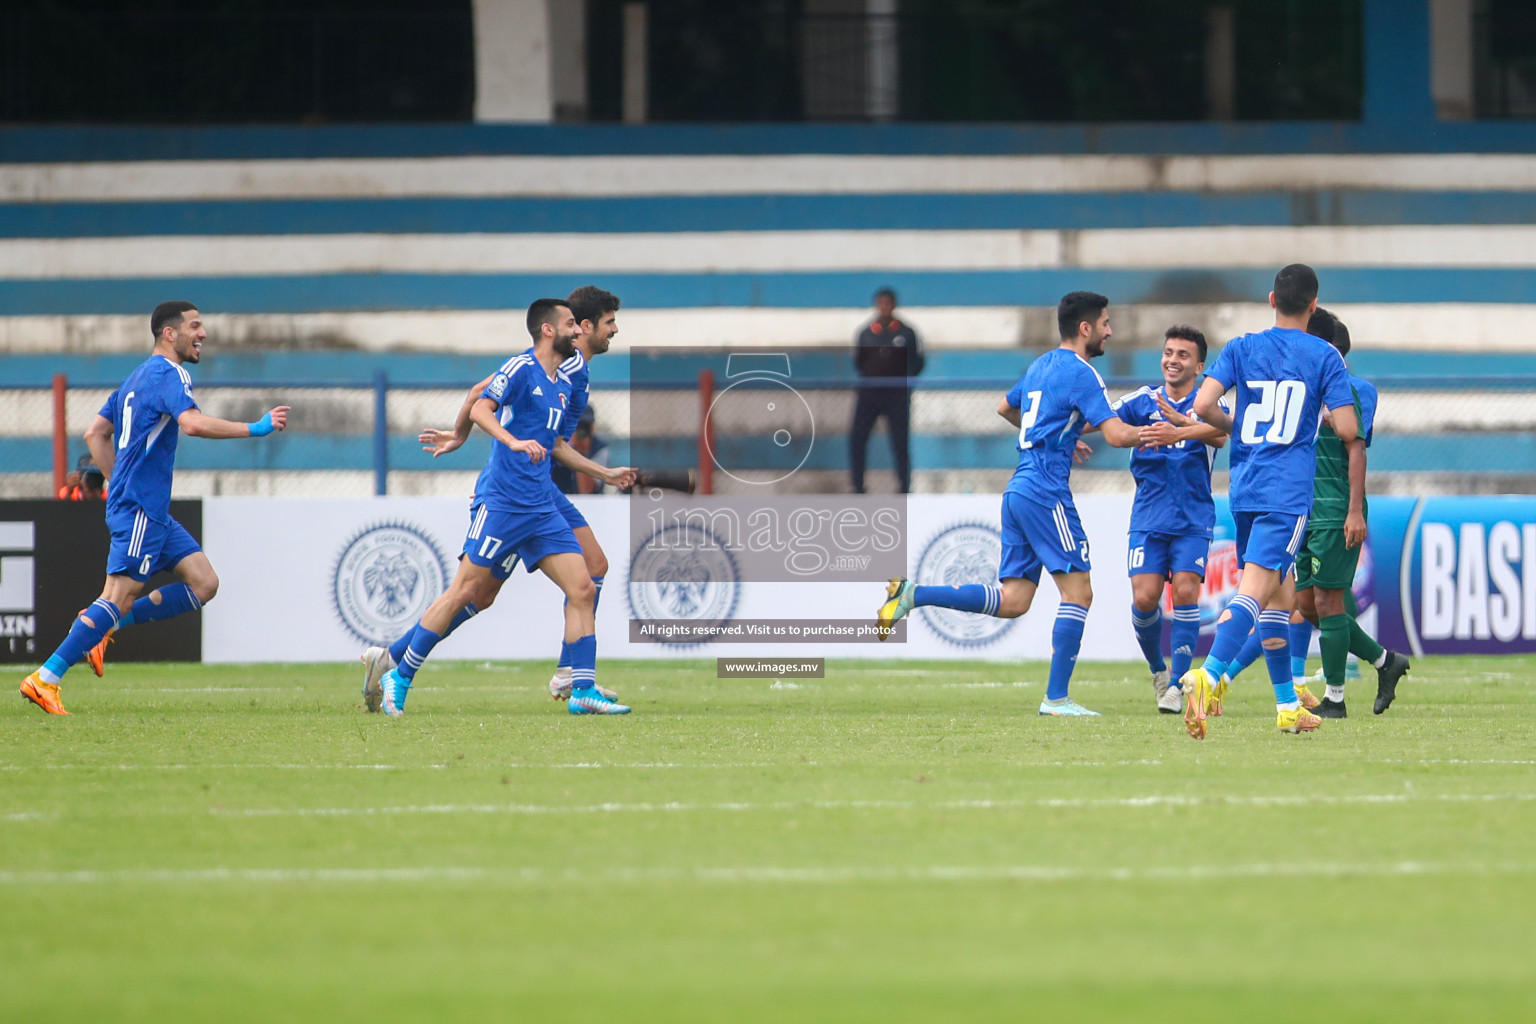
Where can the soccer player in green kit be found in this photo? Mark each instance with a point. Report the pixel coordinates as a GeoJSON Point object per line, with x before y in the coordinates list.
{"type": "Point", "coordinates": [1325, 565]}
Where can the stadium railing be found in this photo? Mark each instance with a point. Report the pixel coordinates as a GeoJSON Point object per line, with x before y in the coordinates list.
{"type": "Point", "coordinates": [1434, 435]}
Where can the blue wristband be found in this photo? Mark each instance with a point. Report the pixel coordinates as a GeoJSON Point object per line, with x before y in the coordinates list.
{"type": "Point", "coordinates": [262, 427]}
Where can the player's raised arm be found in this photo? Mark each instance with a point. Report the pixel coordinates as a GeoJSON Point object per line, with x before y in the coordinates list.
{"type": "Point", "coordinates": [196, 423]}
{"type": "Point", "coordinates": [483, 413]}
{"type": "Point", "coordinates": [441, 442]}
{"type": "Point", "coordinates": [614, 476]}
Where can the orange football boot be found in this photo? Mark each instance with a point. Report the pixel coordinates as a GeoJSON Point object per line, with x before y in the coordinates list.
{"type": "Point", "coordinates": [44, 695]}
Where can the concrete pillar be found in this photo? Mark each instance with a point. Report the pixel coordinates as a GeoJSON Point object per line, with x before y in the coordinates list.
{"type": "Point", "coordinates": [637, 62]}
{"type": "Point", "coordinates": [568, 58]}
{"type": "Point", "coordinates": [883, 73]}
{"type": "Point", "coordinates": [1397, 90]}
{"type": "Point", "coordinates": [1451, 58]}
{"type": "Point", "coordinates": [1220, 64]}
{"type": "Point", "coordinates": [512, 56]}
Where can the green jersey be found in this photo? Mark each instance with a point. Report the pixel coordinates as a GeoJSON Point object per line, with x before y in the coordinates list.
{"type": "Point", "coordinates": [1330, 484]}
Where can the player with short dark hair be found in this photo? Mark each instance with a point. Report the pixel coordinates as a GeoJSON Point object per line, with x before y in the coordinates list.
{"type": "Point", "coordinates": [1281, 378]}
{"type": "Point", "coordinates": [1058, 396]}
{"type": "Point", "coordinates": [145, 417]}
{"type": "Point", "coordinates": [1173, 515]}
{"type": "Point", "coordinates": [512, 518]}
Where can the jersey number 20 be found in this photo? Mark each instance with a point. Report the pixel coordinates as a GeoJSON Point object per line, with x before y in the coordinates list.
{"type": "Point", "coordinates": [1276, 414]}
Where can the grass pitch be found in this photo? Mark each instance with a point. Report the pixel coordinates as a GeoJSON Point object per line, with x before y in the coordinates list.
{"type": "Point", "coordinates": [898, 841]}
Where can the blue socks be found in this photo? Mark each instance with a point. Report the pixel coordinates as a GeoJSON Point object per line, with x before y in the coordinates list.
{"type": "Point", "coordinates": [980, 598]}
{"type": "Point", "coordinates": [1185, 635]}
{"type": "Point", "coordinates": [583, 662]}
{"type": "Point", "coordinates": [1301, 639]}
{"type": "Point", "coordinates": [1252, 648]}
{"type": "Point", "coordinates": [1066, 639]}
{"type": "Point", "coordinates": [1149, 634]}
{"type": "Point", "coordinates": [176, 599]}
{"type": "Point", "coordinates": [1242, 613]}
{"type": "Point", "coordinates": [422, 642]}
{"type": "Point", "coordinates": [104, 616]}
{"type": "Point", "coordinates": [565, 648]}
{"type": "Point", "coordinates": [1275, 634]}
{"type": "Point", "coordinates": [399, 647]}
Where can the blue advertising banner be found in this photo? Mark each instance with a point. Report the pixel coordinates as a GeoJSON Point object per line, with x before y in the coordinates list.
{"type": "Point", "coordinates": [1436, 575]}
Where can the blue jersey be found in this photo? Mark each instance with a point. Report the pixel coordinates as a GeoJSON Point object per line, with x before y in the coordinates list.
{"type": "Point", "coordinates": [1366, 392]}
{"type": "Point", "coordinates": [1173, 482]}
{"type": "Point", "coordinates": [1279, 381]}
{"type": "Point", "coordinates": [532, 407]}
{"type": "Point", "coordinates": [143, 412]}
{"type": "Point", "coordinates": [576, 369]}
{"type": "Point", "coordinates": [1057, 397]}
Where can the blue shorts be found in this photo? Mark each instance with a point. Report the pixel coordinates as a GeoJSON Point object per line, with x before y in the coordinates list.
{"type": "Point", "coordinates": [1041, 536]}
{"type": "Point", "coordinates": [567, 509]}
{"type": "Point", "coordinates": [142, 547]}
{"type": "Point", "coordinates": [1163, 554]}
{"type": "Point", "coordinates": [499, 540]}
{"type": "Point", "coordinates": [1269, 540]}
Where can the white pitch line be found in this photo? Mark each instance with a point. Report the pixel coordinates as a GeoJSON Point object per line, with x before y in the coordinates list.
{"type": "Point", "coordinates": [852, 875]}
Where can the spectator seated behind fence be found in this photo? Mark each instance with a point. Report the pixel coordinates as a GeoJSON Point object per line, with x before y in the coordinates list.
{"type": "Point", "coordinates": [84, 483]}
{"type": "Point", "coordinates": [586, 441]}
{"type": "Point", "coordinates": [886, 353]}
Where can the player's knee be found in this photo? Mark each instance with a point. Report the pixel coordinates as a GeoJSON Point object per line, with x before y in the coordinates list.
{"type": "Point", "coordinates": [206, 588]}
{"type": "Point", "coordinates": [582, 592]}
{"type": "Point", "coordinates": [1014, 603]}
{"type": "Point", "coordinates": [597, 563]}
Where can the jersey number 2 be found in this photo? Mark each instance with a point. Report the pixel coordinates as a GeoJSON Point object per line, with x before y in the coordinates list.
{"type": "Point", "coordinates": [1278, 407]}
{"type": "Point", "coordinates": [1027, 418]}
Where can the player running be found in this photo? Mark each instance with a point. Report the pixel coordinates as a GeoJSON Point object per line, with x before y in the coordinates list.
{"type": "Point", "coordinates": [595, 310]}
{"type": "Point", "coordinates": [1173, 516]}
{"type": "Point", "coordinates": [1056, 398]}
{"type": "Point", "coordinates": [1325, 566]}
{"type": "Point", "coordinates": [1283, 377]}
{"type": "Point", "coordinates": [145, 417]}
{"type": "Point", "coordinates": [511, 518]}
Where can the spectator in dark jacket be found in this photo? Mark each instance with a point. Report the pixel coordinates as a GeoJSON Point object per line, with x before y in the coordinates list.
{"type": "Point", "coordinates": [886, 354]}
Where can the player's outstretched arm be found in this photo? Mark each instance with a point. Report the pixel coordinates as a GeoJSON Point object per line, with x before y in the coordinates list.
{"type": "Point", "coordinates": [196, 423]}
{"type": "Point", "coordinates": [1120, 433]}
{"type": "Point", "coordinates": [1208, 405]}
{"type": "Point", "coordinates": [615, 476]}
{"type": "Point", "coordinates": [98, 441]}
{"type": "Point", "coordinates": [441, 442]}
{"type": "Point", "coordinates": [484, 415]}
{"type": "Point", "coordinates": [1175, 427]}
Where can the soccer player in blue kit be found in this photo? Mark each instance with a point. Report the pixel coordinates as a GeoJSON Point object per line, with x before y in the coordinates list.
{"type": "Point", "coordinates": [133, 441]}
{"type": "Point", "coordinates": [1173, 516]}
{"type": "Point", "coordinates": [596, 312]}
{"type": "Point", "coordinates": [1282, 378]}
{"type": "Point", "coordinates": [1057, 397]}
{"type": "Point", "coordinates": [512, 518]}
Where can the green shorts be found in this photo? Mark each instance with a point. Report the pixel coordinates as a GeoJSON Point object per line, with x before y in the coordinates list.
{"type": "Point", "coordinates": [1324, 561]}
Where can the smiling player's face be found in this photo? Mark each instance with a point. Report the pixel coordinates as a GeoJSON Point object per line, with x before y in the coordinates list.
{"type": "Point", "coordinates": [1181, 362]}
{"type": "Point", "coordinates": [188, 342]}
{"type": "Point", "coordinates": [1098, 335]}
{"type": "Point", "coordinates": [567, 330]}
{"type": "Point", "coordinates": [600, 336]}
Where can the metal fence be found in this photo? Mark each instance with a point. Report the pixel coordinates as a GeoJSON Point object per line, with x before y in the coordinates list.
{"type": "Point", "coordinates": [1434, 435]}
